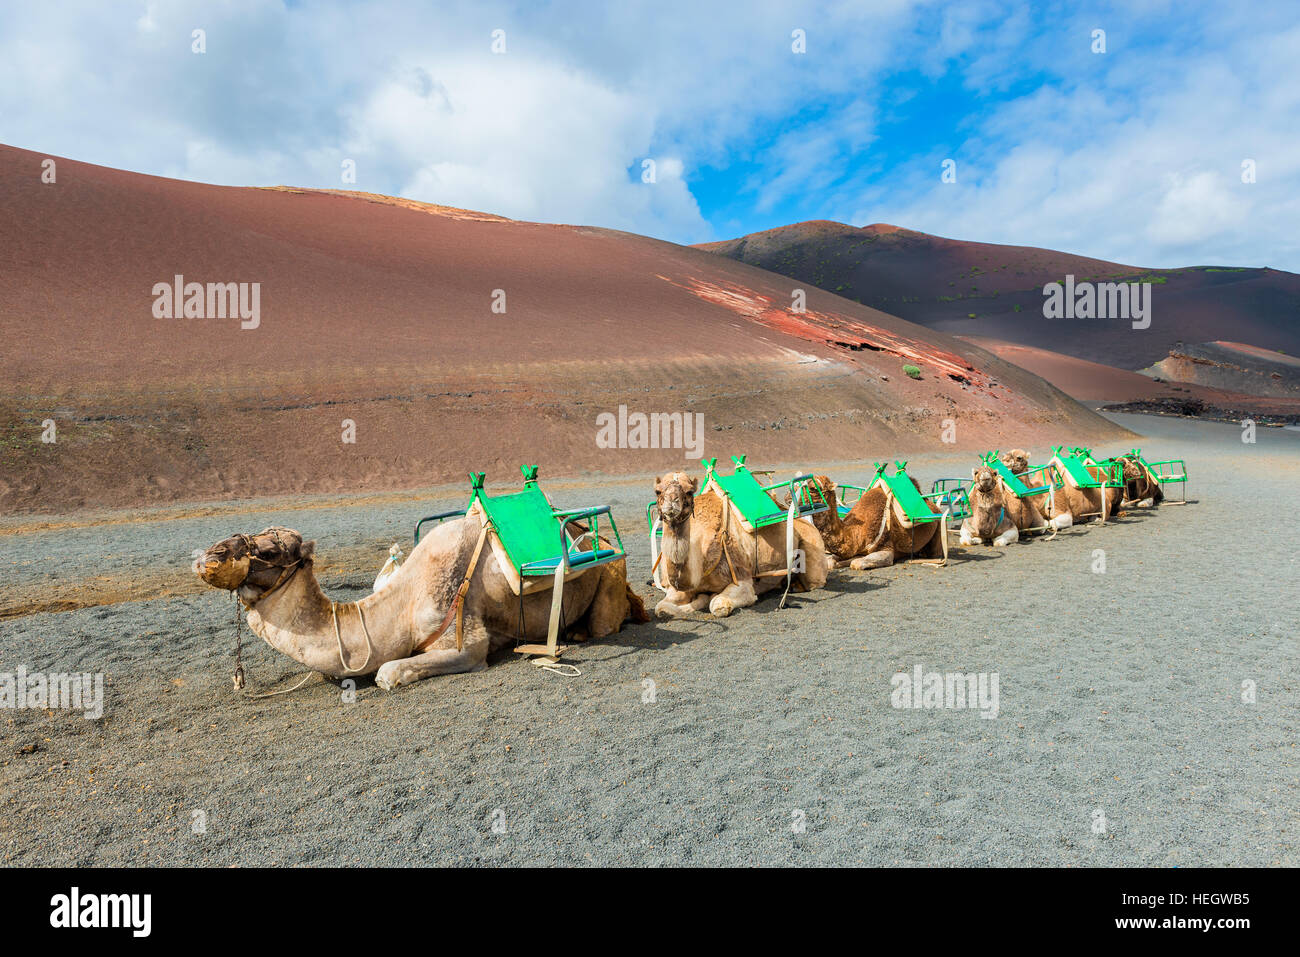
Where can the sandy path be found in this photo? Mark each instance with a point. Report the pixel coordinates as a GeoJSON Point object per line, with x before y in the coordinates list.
{"type": "Point", "coordinates": [1118, 691]}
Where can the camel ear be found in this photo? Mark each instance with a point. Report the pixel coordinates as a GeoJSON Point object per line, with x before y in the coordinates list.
{"type": "Point", "coordinates": [307, 550]}
{"type": "Point", "coordinates": [659, 485]}
{"type": "Point", "coordinates": [691, 484]}
{"type": "Point", "coordinates": [975, 473]}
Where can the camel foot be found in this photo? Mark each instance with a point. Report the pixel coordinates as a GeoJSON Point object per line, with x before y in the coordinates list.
{"type": "Point", "coordinates": [741, 595]}
{"type": "Point", "coordinates": [668, 609]}
{"type": "Point", "coordinates": [721, 607]}
{"type": "Point", "coordinates": [390, 676]}
{"type": "Point", "coordinates": [882, 559]}
{"type": "Point", "coordinates": [1007, 537]}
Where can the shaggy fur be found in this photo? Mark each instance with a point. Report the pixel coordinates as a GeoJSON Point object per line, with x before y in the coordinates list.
{"type": "Point", "coordinates": [990, 521]}
{"type": "Point", "coordinates": [863, 539]}
{"type": "Point", "coordinates": [698, 571]}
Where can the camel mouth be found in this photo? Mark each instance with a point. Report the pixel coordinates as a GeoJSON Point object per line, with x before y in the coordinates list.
{"type": "Point", "coordinates": [224, 574]}
{"type": "Point", "coordinates": [673, 514]}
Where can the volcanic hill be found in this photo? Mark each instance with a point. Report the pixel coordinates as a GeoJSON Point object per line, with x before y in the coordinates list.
{"type": "Point", "coordinates": [439, 340]}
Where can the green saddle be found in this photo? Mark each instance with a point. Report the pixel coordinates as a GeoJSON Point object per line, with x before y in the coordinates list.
{"type": "Point", "coordinates": [756, 502]}
{"type": "Point", "coordinates": [915, 506]}
{"type": "Point", "coordinates": [1075, 467]}
{"type": "Point", "coordinates": [1170, 470]}
{"type": "Point", "coordinates": [533, 532]}
{"type": "Point", "coordinates": [1011, 479]}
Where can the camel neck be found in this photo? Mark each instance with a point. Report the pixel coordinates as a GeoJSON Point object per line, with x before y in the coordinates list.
{"type": "Point", "coordinates": [298, 620]}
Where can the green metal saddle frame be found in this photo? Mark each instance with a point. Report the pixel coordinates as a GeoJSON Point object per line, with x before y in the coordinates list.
{"type": "Point", "coordinates": [1168, 472]}
{"type": "Point", "coordinates": [535, 534]}
{"type": "Point", "coordinates": [1076, 463]}
{"type": "Point", "coordinates": [1016, 483]}
{"type": "Point", "coordinates": [758, 504]}
{"type": "Point", "coordinates": [950, 496]}
{"type": "Point", "coordinates": [913, 504]}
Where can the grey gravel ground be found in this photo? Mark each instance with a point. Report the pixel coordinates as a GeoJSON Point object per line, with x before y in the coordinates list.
{"type": "Point", "coordinates": [770, 738]}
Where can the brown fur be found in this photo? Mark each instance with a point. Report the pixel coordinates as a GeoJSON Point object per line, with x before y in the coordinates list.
{"type": "Point", "coordinates": [848, 536]}
{"type": "Point", "coordinates": [859, 533]}
{"type": "Point", "coordinates": [1087, 501]}
{"type": "Point", "coordinates": [694, 564]}
{"type": "Point", "coordinates": [1138, 483]}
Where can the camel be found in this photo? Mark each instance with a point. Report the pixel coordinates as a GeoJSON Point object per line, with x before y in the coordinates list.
{"type": "Point", "coordinates": [1140, 487]}
{"type": "Point", "coordinates": [865, 538]}
{"type": "Point", "coordinates": [1067, 503]}
{"type": "Point", "coordinates": [709, 560]}
{"type": "Point", "coordinates": [996, 514]}
{"type": "Point", "coordinates": [1017, 460]}
{"type": "Point", "coordinates": [404, 631]}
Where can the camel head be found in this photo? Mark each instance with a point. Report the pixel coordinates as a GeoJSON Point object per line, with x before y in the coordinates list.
{"type": "Point", "coordinates": [254, 564]}
{"type": "Point", "coordinates": [1133, 472]}
{"type": "Point", "coordinates": [675, 496]}
{"type": "Point", "coordinates": [828, 488]}
{"type": "Point", "coordinates": [1017, 460]}
{"type": "Point", "coordinates": [984, 480]}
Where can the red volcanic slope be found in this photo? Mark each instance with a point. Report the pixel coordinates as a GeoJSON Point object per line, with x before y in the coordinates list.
{"type": "Point", "coordinates": [379, 311]}
{"type": "Point", "coordinates": [941, 283]}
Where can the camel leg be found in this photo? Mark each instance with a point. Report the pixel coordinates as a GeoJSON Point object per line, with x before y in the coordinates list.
{"type": "Point", "coordinates": [678, 604]}
{"type": "Point", "coordinates": [1012, 534]}
{"type": "Point", "coordinates": [881, 559]}
{"type": "Point", "coordinates": [739, 595]}
{"type": "Point", "coordinates": [439, 661]}
{"type": "Point", "coordinates": [1064, 520]}
{"type": "Point", "coordinates": [967, 537]}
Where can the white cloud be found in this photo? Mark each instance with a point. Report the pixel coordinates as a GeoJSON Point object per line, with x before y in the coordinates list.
{"type": "Point", "coordinates": [1133, 156]}
{"type": "Point", "coordinates": [1123, 168]}
{"type": "Point", "coordinates": [524, 139]}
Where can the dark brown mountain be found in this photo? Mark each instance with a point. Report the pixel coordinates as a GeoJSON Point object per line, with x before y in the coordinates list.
{"type": "Point", "coordinates": [996, 292]}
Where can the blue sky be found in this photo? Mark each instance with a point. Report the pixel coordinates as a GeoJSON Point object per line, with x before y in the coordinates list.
{"type": "Point", "coordinates": [1133, 154]}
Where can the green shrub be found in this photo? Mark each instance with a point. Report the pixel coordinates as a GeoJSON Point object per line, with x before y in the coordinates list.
{"type": "Point", "coordinates": [912, 372]}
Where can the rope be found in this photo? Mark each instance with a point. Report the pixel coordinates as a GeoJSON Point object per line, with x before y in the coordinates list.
{"type": "Point", "coordinates": [458, 602]}
{"type": "Point", "coordinates": [558, 668]}
{"type": "Point", "coordinates": [789, 547]}
{"type": "Point", "coordinates": [655, 555]}
{"type": "Point", "coordinates": [272, 694]}
{"type": "Point", "coordinates": [370, 647]}
{"type": "Point", "coordinates": [239, 663]}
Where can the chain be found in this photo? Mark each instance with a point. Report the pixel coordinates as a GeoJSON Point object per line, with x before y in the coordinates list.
{"type": "Point", "coordinates": [239, 646]}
